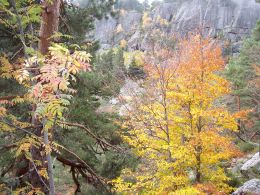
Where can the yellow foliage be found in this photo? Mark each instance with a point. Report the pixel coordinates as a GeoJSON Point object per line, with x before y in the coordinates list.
{"type": "Point", "coordinates": [2, 111]}
{"type": "Point", "coordinates": [43, 172]}
{"type": "Point", "coordinates": [137, 56]}
{"type": "Point", "coordinates": [6, 69]}
{"type": "Point", "coordinates": [5, 127]}
{"type": "Point", "coordinates": [146, 20]}
{"type": "Point", "coordinates": [187, 191]}
{"type": "Point", "coordinates": [123, 43]}
{"type": "Point", "coordinates": [29, 190]}
{"type": "Point", "coordinates": [161, 21]}
{"type": "Point", "coordinates": [2, 188]}
{"type": "Point", "coordinates": [176, 129]}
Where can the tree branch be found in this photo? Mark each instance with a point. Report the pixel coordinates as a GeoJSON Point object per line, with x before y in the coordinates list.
{"type": "Point", "coordinates": [246, 141]}
{"type": "Point", "coordinates": [101, 141]}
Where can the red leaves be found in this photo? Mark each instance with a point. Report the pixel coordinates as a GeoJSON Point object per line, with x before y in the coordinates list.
{"type": "Point", "coordinates": [85, 66]}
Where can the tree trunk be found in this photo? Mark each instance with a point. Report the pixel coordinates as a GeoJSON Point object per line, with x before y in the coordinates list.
{"type": "Point", "coordinates": [49, 24]}
{"type": "Point", "coordinates": [238, 109]}
{"type": "Point", "coordinates": [198, 150]}
{"type": "Point", "coordinates": [198, 171]}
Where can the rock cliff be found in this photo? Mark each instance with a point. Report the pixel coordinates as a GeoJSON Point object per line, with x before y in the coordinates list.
{"type": "Point", "coordinates": [231, 19]}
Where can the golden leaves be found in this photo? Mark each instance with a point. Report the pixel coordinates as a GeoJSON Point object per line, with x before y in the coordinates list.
{"type": "Point", "coordinates": [136, 56]}
{"type": "Point", "coordinates": [146, 20]}
{"type": "Point", "coordinates": [177, 129]}
{"type": "Point", "coordinates": [2, 111]}
{"type": "Point", "coordinates": [43, 172]}
{"type": "Point", "coordinates": [22, 75]}
{"type": "Point", "coordinates": [6, 128]}
{"type": "Point", "coordinates": [6, 69]}
{"type": "Point", "coordinates": [25, 145]}
{"type": "Point", "coordinates": [161, 21]}
{"type": "Point", "coordinates": [48, 89]}
{"type": "Point", "coordinates": [29, 190]}
{"type": "Point", "coordinates": [123, 43]}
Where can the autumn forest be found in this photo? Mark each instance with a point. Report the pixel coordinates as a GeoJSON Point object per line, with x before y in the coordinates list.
{"type": "Point", "coordinates": [103, 97]}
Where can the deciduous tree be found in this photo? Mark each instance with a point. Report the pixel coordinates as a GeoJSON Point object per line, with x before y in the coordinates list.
{"type": "Point", "coordinates": [178, 130]}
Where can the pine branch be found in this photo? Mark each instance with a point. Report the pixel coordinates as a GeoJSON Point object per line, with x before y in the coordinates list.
{"type": "Point", "coordinates": [7, 147]}
{"type": "Point", "coordinates": [21, 31]}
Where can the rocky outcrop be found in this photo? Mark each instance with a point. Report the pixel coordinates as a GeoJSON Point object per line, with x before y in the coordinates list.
{"type": "Point", "coordinates": [248, 168]}
{"type": "Point", "coordinates": [251, 168]}
{"type": "Point", "coordinates": [237, 163]}
{"type": "Point", "coordinates": [110, 31]}
{"type": "Point", "coordinates": [250, 187]}
{"type": "Point", "coordinates": [123, 103]}
{"type": "Point", "coordinates": [232, 19]}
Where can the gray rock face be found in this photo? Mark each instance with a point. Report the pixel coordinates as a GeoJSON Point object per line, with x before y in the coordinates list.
{"type": "Point", "coordinates": [106, 30]}
{"type": "Point", "coordinates": [251, 168]}
{"type": "Point", "coordinates": [123, 103]}
{"type": "Point", "coordinates": [250, 187]}
{"type": "Point", "coordinates": [232, 19]}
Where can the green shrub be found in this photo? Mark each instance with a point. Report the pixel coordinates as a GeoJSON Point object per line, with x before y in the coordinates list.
{"type": "Point", "coordinates": [245, 147]}
{"type": "Point", "coordinates": [235, 180]}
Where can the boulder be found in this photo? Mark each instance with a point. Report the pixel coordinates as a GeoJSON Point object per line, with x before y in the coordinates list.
{"type": "Point", "coordinates": [250, 187]}
{"type": "Point", "coordinates": [251, 168]}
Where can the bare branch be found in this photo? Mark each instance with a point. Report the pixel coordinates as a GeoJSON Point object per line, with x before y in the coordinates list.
{"type": "Point", "coordinates": [101, 141]}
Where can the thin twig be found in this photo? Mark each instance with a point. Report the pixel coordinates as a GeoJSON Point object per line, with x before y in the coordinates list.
{"type": "Point", "coordinates": [35, 168]}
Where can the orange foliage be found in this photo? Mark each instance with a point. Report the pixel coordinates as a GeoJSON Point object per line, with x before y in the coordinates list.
{"type": "Point", "coordinates": [178, 129]}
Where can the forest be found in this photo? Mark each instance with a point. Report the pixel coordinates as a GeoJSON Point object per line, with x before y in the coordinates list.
{"type": "Point", "coordinates": [116, 97]}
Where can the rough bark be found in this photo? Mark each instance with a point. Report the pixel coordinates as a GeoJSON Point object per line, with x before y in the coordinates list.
{"type": "Point", "coordinates": [49, 24]}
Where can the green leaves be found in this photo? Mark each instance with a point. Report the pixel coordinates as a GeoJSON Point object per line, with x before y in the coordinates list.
{"type": "Point", "coordinates": [256, 32]}
{"type": "Point", "coordinates": [4, 3]}
{"type": "Point", "coordinates": [19, 15]}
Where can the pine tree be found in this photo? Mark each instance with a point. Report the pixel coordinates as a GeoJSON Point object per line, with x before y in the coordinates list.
{"type": "Point", "coordinates": [242, 72]}
{"type": "Point", "coordinates": [46, 87]}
